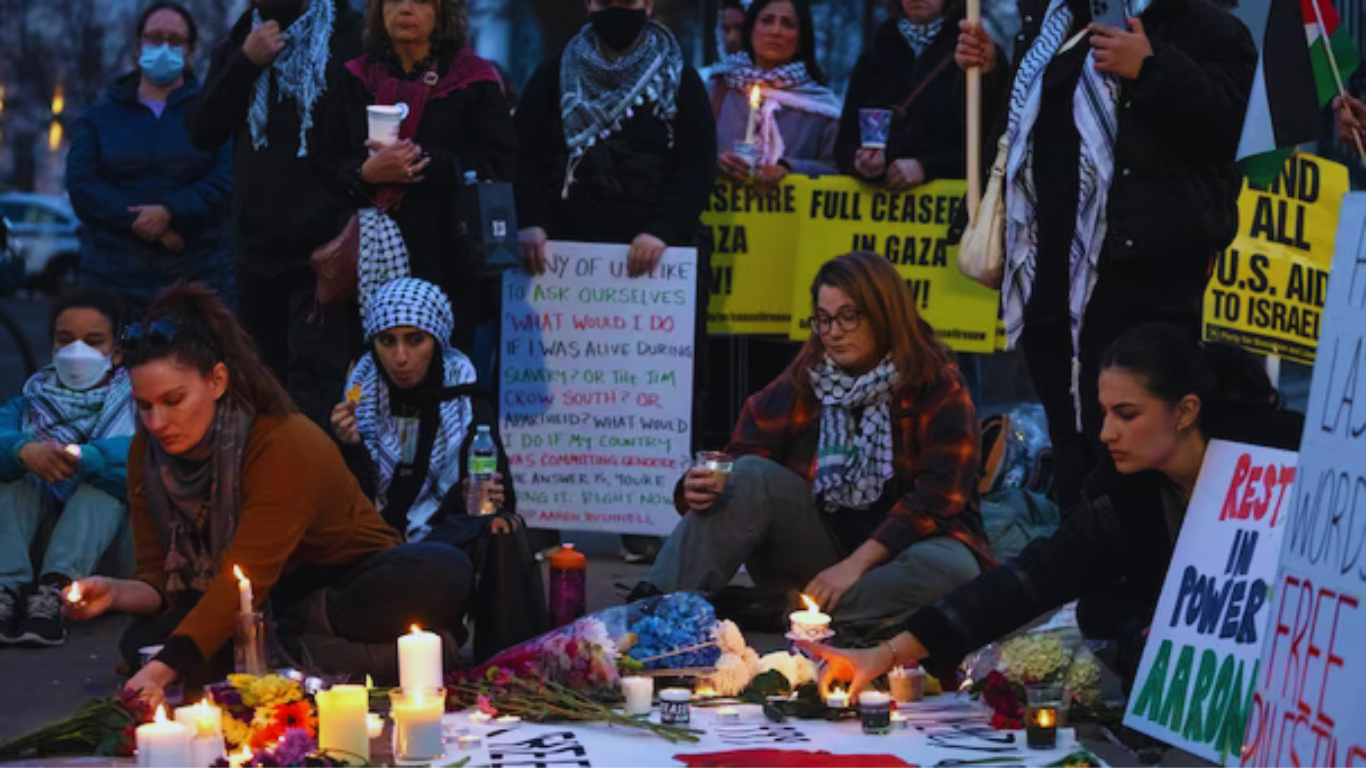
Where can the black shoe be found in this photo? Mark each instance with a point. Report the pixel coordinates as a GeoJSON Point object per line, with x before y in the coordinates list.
{"type": "Point", "coordinates": [756, 609]}
{"type": "Point", "coordinates": [9, 616]}
{"type": "Point", "coordinates": [42, 623]}
{"type": "Point", "coordinates": [640, 549]}
{"type": "Point", "coordinates": [643, 591]}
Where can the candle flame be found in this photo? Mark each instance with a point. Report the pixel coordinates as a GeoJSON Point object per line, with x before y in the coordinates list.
{"type": "Point", "coordinates": [1046, 718]}
{"type": "Point", "coordinates": [754, 97]}
{"type": "Point", "coordinates": [161, 713]}
{"type": "Point", "coordinates": [416, 629]}
{"type": "Point", "coordinates": [58, 102]}
{"type": "Point", "coordinates": [237, 571]}
{"type": "Point", "coordinates": [369, 682]}
{"type": "Point", "coordinates": [810, 604]}
{"type": "Point", "coordinates": [73, 595]}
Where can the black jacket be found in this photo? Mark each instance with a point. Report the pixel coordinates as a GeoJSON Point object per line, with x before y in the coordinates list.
{"type": "Point", "coordinates": [1174, 200]}
{"type": "Point", "coordinates": [934, 128]}
{"type": "Point", "coordinates": [281, 210]}
{"type": "Point", "coordinates": [1116, 538]}
{"type": "Point", "coordinates": [651, 176]}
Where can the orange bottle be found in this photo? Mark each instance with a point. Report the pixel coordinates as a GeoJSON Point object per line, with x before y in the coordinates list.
{"type": "Point", "coordinates": [568, 585]}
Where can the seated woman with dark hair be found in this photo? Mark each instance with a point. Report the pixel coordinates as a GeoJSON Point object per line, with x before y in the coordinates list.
{"type": "Point", "coordinates": [225, 472]}
{"type": "Point", "coordinates": [1164, 397]}
{"type": "Point", "coordinates": [856, 480]}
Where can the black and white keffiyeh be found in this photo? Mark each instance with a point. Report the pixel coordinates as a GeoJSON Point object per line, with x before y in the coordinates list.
{"type": "Point", "coordinates": [854, 454]}
{"type": "Point", "coordinates": [597, 93]}
{"type": "Point", "coordinates": [417, 304]}
{"type": "Point", "coordinates": [919, 36]}
{"type": "Point", "coordinates": [75, 417]}
{"type": "Point", "coordinates": [300, 71]}
{"type": "Point", "coordinates": [383, 254]}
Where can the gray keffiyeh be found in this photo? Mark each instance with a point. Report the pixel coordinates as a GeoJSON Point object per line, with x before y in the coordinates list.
{"type": "Point", "coordinates": [73, 417]}
{"type": "Point", "coordinates": [300, 71]}
{"type": "Point", "coordinates": [597, 93]}
{"type": "Point", "coordinates": [854, 454]}
{"type": "Point", "coordinates": [195, 498]}
{"type": "Point", "coordinates": [919, 36]}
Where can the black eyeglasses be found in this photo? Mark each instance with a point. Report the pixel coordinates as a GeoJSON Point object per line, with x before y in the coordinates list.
{"type": "Point", "coordinates": [848, 321]}
{"type": "Point", "coordinates": [161, 331]}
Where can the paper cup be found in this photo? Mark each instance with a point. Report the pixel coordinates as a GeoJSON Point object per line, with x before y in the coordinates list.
{"type": "Point", "coordinates": [384, 121]}
{"type": "Point", "coordinates": [874, 125]}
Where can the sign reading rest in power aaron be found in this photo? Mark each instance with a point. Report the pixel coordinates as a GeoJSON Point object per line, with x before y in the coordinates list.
{"type": "Point", "coordinates": [1268, 288]}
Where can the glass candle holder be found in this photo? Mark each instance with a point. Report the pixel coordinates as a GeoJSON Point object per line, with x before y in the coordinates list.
{"type": "Point", "coordinates": [417, 723]}
{"type": "Point", "coordinates": [1042, 714]}
{"type": "Point", "coordinates": [875, 711]}
{"type": "Point", "coordinates": [675, 706]}
{"type": "Point", "coordinates": [249, 644]}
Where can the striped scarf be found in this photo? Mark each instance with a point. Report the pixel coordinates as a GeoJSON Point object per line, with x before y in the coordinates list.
{"type": "Point", "coordinates": [300, 71]}
{"type": "Point", "coordinates": [1095, 111]}
{"type": "Point", "coordinates": [72, 417]}
{"type": "Point", "coordinates": [919, 36]}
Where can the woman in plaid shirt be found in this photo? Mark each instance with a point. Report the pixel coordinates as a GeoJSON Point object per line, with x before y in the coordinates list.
{"type": "Point", "coordinates": [856, 472]}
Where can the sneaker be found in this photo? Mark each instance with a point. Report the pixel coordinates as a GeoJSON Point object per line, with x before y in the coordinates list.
{"type": "Point", "coordinates": [42, 625]}
{"type": "Point", "coordinates": [9, 617]}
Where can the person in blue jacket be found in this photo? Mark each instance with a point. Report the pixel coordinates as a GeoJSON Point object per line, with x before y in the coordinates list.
{"type": "Point", "coordinates": [63, 446]}
{"type": "Point", "coordinates": [154, 205]}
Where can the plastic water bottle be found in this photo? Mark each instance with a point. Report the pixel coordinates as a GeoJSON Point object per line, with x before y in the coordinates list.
{"type": "Point", "coordinates": [568, 586]}
{"type": "Point", "coordinates": [483, 465]}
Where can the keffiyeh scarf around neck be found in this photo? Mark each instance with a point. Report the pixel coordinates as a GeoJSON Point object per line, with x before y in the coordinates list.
{"type": "Point", "coordinates": [300, 71]}
{"type": "Point", "coordinates": [195, 498]}
{"type": "Point", "coordinates": [919, 36]}
{"type": "Point", "coordinates": [73, 417]}
{"type": "Point", "coordinates": [788, 86]}
{"type": "Point", "coordinates": [597, 93]}
{"type": "Point", "coordinates": [854, 455]}
{"type": "Point", "coordinates": [418, 304]}
{"type": "Point", "coordinates": [1095, 112]}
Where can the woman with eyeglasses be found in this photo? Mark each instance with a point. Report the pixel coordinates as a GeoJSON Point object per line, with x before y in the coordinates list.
{"type": "Point", "coordinates": [856, 476]}
{"type": "Point", "coordinates": [154, 205]}
{"type": "Point", "coordinates": [224, 472]}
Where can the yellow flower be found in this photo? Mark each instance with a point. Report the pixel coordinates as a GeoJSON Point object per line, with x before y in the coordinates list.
{"type": "Point", "coordinates": [235, 731]}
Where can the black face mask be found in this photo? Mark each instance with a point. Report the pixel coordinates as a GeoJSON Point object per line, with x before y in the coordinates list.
{"type": "Point", "coordinates": [618, 28]}
{"type": "Point", "coordinates": [282, 12]}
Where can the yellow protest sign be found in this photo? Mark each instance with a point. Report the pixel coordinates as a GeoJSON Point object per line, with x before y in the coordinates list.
{"type": "Point", "coordinates": [840, 214]}
{"type": "Point", "coordinates": [1268, 288]}
{"type": "Point", "coordinates": [754, 236]}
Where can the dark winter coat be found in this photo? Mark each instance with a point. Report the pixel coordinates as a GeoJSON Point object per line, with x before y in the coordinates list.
{"type": "Point", "coordinates": [281, 210]}
{"type": "Point", "coordinates": [122, 155]}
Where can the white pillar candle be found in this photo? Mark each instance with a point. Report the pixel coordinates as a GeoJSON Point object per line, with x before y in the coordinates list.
{"type": "Point", "coordinates": [162, 743]}
{"type": "Point", "coordinates": [755, 98]}
{"type": "Point", "coordinates": [638, 692]}
{"type": "Point", "coordinates": [205, 722]}
{"type": "Point", "coordinates": [417, 723]}
{"type": "Point", "coordinates": [243, 590]}
{"type": "Point", "coordinates": [239, 759]}
{"type": "Point", "coordinates": [341, 722]}
{"type": "Point", "coordinates": [419, 661]}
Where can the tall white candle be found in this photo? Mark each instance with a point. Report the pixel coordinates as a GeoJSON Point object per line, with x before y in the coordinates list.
{"type": "Point", "coordinates": [341, 722]}
{"type": "Point", "coordinates": [638, 692]}
{"type": "Point", "coordinates": [419, 661]}
{"type": "Point", "coordinates": [754, 100]}
{"type": "Point", "coordinates": [243, 590]}
{"type": "Point", "coordinates": [205, 722]}
{"type": "Point", "coordinates": [162, 743]}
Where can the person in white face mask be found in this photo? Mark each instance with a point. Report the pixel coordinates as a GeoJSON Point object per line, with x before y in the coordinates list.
{"type": "Point", "coordinates": [63, 446]}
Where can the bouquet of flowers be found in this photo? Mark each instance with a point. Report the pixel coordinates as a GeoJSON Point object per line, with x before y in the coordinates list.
{"type": "Point", "coordinates": [104, 726]}
{"type": "Point", "coordinates": [258, 711]}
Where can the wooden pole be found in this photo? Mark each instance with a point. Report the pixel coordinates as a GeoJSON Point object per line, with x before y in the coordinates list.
{"type": "Point", "coordinates": [974, 123]}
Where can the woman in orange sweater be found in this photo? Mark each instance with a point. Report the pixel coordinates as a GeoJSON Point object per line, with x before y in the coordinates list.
{"type": "Point", "coordinates": [224, 471]}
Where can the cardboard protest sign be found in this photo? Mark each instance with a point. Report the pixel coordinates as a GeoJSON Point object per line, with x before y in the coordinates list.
{"type": "Point", "coordinates": [596, 388]}
{"type": "Point", "coordinates": [1307, 704]}
{"type": "Point", "coordinates": [1268, 288]}
{"type": "Point", "coordinates": [1195, 679]}
{"type": "Point", "coordinates": [910, 229]}
{"type": "Point", "coordinates": [754, 241]}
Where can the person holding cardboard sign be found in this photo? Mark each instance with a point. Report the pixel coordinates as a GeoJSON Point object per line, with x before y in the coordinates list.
{"type": "Point", "coordinates": [1164, 398]}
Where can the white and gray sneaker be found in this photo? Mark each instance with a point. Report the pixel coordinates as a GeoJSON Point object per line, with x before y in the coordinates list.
{"type": "Point", "coordinates": [42, 624]}
{"type": "Point", "coordinates": [9, 616]}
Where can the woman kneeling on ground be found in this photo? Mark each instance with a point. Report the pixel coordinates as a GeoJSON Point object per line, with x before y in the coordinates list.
{"type": "Point", "coordinates": [856, 480]}
{"type": "Point", "coordinates": [225, 472]}
{"type": "Point", "coordinates": [1163, 397]}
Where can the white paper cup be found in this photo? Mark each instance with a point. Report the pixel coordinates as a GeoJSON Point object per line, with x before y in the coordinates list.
{"type": "Point", "coordinates": [384, 121]}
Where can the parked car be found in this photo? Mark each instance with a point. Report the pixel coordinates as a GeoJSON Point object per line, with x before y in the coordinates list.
{"type": "Point", "coordinates": [46, 232]}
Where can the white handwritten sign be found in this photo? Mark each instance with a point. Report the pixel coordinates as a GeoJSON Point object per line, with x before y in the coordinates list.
{"type": "Point", "coordinates": [1195, 680]}
{"type": "Point", "coordinates": [597, 386]}
{"type": "Point", "coordinates": [1307, 706]}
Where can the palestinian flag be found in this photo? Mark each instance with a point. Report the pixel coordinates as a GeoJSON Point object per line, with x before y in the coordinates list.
{"type": "Point", "coordinates": [1294, 80]}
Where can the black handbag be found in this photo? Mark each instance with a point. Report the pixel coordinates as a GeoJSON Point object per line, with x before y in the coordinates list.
{"type": "Point", "coordinates": [489, 210]}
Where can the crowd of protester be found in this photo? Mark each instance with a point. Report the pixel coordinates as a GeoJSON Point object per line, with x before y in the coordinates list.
{"type": "Point", "coordinates": [210, 404]}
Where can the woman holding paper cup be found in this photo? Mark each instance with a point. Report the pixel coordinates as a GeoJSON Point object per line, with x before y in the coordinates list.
{"type": "Point", "coordinates": [1164, 397]}
{"type": "Point", "coordinates": [401, 128]}
{"type": "Point", "coordinates": [225, 474]}
{"type": "Point", "coordinates": [855, 477]}
{"type": "Point", "coordinates": [790, 124]}
{"type": "Point", "coordinates": [904, 120]}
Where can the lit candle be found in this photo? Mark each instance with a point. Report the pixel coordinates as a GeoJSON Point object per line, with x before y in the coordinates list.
{"type": "Point", "coordinates": [241, 758]}
{"type": "Point", "coordinates": [243, 590]}
{"type": "Point", "coordinates": [205, 723]}
{"type": "Point", "coordinates": [419, 661]}
{"type": "Point", "coordinates": [908, 683]}
{"type": "Point", "coordinates": [727, 714]}
{"type": "Point", "coordinates": [638, 692]}
{"type": "Point", "coordinates": [810, 624]}
{"type": "Point", "coordinates": [417, 723]}
{"type": "Point", "coordinates": [480, 720]}
{"type": "Point", "coordinates": [837, 698]}
{"type": "Point", "coordinates": [755, 97]}
{"type": "Point", "coordinates": [162, 743]}
{"type": "Point", "coordinates": [1041, 730]}
{"type": "Point", "coordinates": [374, 725]}
{"type": "Point", "coordinates": [900, 722]}
{"type": "Point", "coordinates": [875, 711]}
{"type": "Point", "coordinates": [704, 691]}
{"type": "Point", "coordinates": [74, 450]}
{"type": "Point", "coordinates": [341, 721]}
{"type": "Point", "coordinates": [73, 594]}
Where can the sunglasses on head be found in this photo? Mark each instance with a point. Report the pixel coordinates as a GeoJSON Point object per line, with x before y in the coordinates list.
{"type": "Point", "coordinates": [161, 330]}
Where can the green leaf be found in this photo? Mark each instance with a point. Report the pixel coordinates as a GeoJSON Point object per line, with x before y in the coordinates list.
{"type": "Point", "coordinates": [774, 713]}
{"type": "Point", "coordinates": [770, 683]}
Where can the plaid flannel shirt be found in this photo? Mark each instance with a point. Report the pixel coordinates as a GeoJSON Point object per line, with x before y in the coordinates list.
{"type": "Point", "coordinates": [936, 446]}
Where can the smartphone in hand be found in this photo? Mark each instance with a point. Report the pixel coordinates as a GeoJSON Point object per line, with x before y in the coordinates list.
{"type": "Point", "coordinates": [1109, 13]}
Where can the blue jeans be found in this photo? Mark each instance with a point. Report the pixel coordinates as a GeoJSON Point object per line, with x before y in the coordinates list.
{"type": "Point", "coordinates": [90, 521]}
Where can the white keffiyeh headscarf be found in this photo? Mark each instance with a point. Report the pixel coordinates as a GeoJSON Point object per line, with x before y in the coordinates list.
{"type": "Point", "coordinates": [421, 305]}
{"type": "Point", "coordinates": [854, 455]}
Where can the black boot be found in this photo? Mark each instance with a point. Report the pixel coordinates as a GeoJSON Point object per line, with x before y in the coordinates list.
{"type": "Point", "coordinates": [756, 609]}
